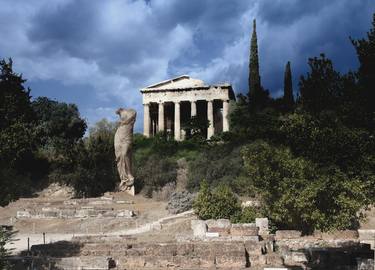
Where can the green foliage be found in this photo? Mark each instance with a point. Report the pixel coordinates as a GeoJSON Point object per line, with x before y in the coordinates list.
{"type": "Point", "coordinates": [95, 169]}
{"type": "Point", "coordinates": [196, 128]}
{"type": "Point", "coordinates": [217, 164]}
{"type": "Point", "coordinates": [155, 172]}
{"type": "Point", "coordinates": [288, 99]}
{"type": "Point", "coordinates": [297, 194]}
{"type": "Point", "coordinates": [366, 55]}
{"type": "Point", "coordinates": [216, 204]}
{"type": "Point", "coordinates": [58, 124]}
{"type": "Point", "coordinates": [327, 141]}
{"type": "Point", "coordinates": [254, 77]}
{"type": "Point", "coordinates": [322, 87]}
{"type": "Point", "coordinates": [246, 215]}
{"type": "Point", "coordinates": [6, 237]}
{"type": "Point", "coordinates": [19, 163]}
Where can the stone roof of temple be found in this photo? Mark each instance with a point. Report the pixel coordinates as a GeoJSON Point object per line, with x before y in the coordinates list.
{"type": "Point", "coordinates": [180, 82]}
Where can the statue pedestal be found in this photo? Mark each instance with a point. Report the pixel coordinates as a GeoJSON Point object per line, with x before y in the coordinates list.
{"type": "Point", "coordinates": [130, 190]}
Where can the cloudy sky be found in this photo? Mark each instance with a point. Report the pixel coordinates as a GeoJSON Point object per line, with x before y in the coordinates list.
{"type": "Point", "coordinates": [98, 54]}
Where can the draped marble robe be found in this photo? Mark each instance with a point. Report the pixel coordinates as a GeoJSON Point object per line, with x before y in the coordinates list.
{"type": "Point", "coordinates": [123, 149]}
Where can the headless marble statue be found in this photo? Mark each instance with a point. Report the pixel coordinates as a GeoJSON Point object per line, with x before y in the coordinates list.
{"type": "Point", "coordinates": [123, 149]}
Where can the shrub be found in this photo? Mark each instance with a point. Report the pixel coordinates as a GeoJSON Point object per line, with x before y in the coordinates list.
{"type": "Point", "coordinates": [154, 173]}
{"type": "Point", "coordinates": [217, 164]}
{"type": "Point", "coordinates": [246, 215]}
{"type": "Point", "coordinates": [215, 204]}
{"type": "Point", "coordinates": [297, 194]}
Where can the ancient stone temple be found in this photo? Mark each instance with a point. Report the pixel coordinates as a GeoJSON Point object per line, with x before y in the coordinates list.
{"type": "Point", "coordinates": [169, 104]}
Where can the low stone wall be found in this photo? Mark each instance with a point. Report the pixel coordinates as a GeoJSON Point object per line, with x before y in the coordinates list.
{"type": "Point", "coordinates": [223, 229]}
{"type": "Point", "coordinates": [68, 213]}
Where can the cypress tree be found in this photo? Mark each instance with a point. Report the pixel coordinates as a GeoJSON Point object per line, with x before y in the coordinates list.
{"type": "Point", "coordinates": [254, 77]}
{"type": "Point", "coordinates": [288, 88]}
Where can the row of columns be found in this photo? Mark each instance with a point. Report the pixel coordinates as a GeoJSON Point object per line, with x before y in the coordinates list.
{"type": "Point", "coordinates": [177, 118]}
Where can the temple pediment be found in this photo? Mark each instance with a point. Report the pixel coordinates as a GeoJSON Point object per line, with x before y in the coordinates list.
{"type": "Point", "coordinates": [181, 82]}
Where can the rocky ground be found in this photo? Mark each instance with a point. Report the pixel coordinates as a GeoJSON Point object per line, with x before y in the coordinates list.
{"type": "Point", "coordinates": [140, 233]}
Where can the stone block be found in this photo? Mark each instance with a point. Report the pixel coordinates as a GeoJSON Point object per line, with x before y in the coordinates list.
{"type": "Point", "coordinates": [125, 214]}
{"type": "Point", "coordinates": [253, 248]}
{"type": "Point", "coordinates": [257, 260]}
{"type": "Point", "coordinates": [274, 259]}
{"type": "Point", "coordinates": [299, 257]}
{"type": "Point", "coordinates": [212, 234]}
{"type": "Point", "coordinates": [231, 261]}
{"type": "Point", "coordinates": [244, 230]}
{"type": "Point", "coordinates": [275, 268]}
{"type": "Point", "coordinates": [220, 231]}
{"type": "Point", "coordinates": [262, 224]}
{"type": "Point", "coordinates": [219, 223]}
{"type": "Point", "coordinates": [254, 238]}
{"type": "Point", "coordinates": [366, 234]}
{"type": "Point", "coordinates": [335, 235]}
{"type": "Point", "coordinates": [23, 214]}
{"type": "Point", "coordinates": [287, 234]}
{"type": "Point", "coordinates": [199, 228]}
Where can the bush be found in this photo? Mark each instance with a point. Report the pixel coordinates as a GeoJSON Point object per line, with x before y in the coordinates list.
{"type": "Point", "coordinates": [154, 173]}
{"type": "Point", "coordinates": [297, 194]}
{"type": "Point", "coordinates": [246, 215]}
{"type": "Point", "coordinates": [221, 163]}
{"type": "Point", "coordinates": [216, 204]}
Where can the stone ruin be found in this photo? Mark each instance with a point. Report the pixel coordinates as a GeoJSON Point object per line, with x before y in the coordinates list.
{"type": "Point", "coordinates": [211, 244]}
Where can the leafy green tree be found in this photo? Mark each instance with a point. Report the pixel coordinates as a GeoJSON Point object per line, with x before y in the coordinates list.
{"type": "Point", "coordinates": [288, 88]}
{"type": "Point", "coordinates": [95, 169]}
{"type": "Point", "coordinates": [322, 87]}
{"type": "Point", "coordinates": [298, 194]}
{"type": "Point", "coordinates": [258, 97]}
{"type": "Point", "coordinates": [59, 124]}
{"type": "Point", "coordinates": [19, 164]}
{"type": "Point", "coordinates": [254, 76]}
{"type": "Point", "coordinates": [14, 98]}
{"type": "Point", "coordinates": [6, 237]}
{"type": "Point", "coordinates": [366, 55]}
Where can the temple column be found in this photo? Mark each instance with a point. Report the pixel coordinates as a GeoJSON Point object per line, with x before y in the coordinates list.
{"type": "Point", "coordinates": [210, 117]}
{"type": "Point", "coordinates": [161, 117]}
{"type": "Point", "coordinates": [177, 123]}
{"type": "Point", "coordinates": [146, 120]}
{"type": "Point", "coordinates": [225, 115]}
{"type": "Point", "coordinates": [193, 108]}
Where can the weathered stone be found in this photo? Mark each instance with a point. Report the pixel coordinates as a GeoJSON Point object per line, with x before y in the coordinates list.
{"type": "Point", "coordinates": [23, 214]}
{"type": "Point", "coordinates": [262, 224]}
{"type": "Point", "coordinates": [287, 234]}
{"type": "Point", "coordinates": [212, 234]}
{"type": "Point", "coordinates": [244, 230]}
{"type": "Point", "coordinates": [231, 260]}
{"type": "Point", "coordinates": [347, 234]}
{"type": "Point", "coordinates": [123, 149]}
{"type": "Point", "coordinates": [274, 259]}
{"type": "Point", "coordinates": [199, 228]}
{"type": "Point", "coordinates": [219, 223]}
{"type": "Point", "coordinates": [167, 95]}
{"type": "Point", "coordinates": [125, 214]}
{"type": "Point", "coordinates": [257, 260]}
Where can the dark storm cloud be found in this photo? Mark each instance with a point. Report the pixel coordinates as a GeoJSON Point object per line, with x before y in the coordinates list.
{"type": "Point", "coordinates": [115, 47]}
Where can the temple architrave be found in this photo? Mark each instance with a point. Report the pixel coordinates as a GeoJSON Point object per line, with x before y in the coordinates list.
{"type": "Point", "coordinates": [168, 105]}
